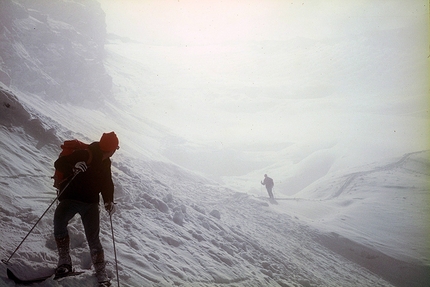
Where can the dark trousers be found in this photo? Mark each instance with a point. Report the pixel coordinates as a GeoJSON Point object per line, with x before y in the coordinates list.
{"type": "Point", "coordinates": [269, 191]}
{"type": "Point", "coordinates": [90, 217]}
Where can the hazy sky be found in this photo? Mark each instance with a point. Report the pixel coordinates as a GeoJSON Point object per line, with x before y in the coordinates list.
{"type": "Point", "coordinates": [236, 79]}
{"type": "Point", "coordinates": [207, 22]}
{"type": "Point", "coordinates": [349, 75]}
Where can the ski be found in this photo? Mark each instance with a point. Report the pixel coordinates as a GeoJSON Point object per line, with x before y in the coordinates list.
{"type": "Point", "coordinates": [29, 279]}
{"type": "Point", "coordinates": [18, 280]}
{"type": "Point", "coordinates": [273, 201]}
{"type": "Point", "coordinates": [72, 273]}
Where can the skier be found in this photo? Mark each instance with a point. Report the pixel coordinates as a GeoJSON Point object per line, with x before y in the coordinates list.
{"type": "Point", "coordinates": [268, 182]}
{"type": "Point", "coordinates": [93, 169]}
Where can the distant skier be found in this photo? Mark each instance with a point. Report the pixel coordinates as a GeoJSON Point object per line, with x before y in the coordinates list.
{"type": "Point", "coordinates": [268, 182]}
{"type": "Point", "coordinates": [93, 169]}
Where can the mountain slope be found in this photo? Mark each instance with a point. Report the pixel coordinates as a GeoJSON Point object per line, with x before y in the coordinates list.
{"type": "Point", "coordinates": [171, 229]}
{"type": "Point", "coordinates": [54, 49]}
{"type": "Point", "coordinates": [176, 228]}
{"type": "Point", "coordinates": [357, 226]}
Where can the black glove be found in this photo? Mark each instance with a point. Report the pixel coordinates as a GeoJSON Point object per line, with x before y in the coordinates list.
{"type": "Point", "coordinates": [80, 167]}
{"type": "Point", "coordinates": [110, 207]}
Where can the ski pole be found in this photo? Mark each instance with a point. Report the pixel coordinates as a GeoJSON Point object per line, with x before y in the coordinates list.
{"type": "Point", "coordinates": [114, 249]}
{"type": "Point", "coordinates": [31, 230]}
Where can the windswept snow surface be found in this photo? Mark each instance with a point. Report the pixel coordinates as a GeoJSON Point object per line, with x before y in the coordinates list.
{"type": "Point", "coordinates": [175, 228]}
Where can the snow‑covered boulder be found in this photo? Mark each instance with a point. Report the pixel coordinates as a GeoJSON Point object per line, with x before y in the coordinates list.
{"type": "Point", "coordinates": [215, 213]}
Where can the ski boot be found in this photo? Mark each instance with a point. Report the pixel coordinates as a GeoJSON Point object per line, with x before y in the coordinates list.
{"type": "Point", "coordinates": [62, 271]}
{"type": "Point", "coordinates": [98, 258]}
{"type": "Point", "coordinates": [64, 261]}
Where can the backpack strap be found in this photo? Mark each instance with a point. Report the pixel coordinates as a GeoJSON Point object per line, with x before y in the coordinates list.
{"type": "Point", "coordinates": [90, 157]}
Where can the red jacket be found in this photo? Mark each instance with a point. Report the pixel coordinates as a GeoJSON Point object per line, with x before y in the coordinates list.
{"type": "Point", "coordinates": [86, 186]}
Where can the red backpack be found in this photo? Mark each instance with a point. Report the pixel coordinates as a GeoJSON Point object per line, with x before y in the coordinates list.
{"type": "Point", "coordinates": [67, 148]}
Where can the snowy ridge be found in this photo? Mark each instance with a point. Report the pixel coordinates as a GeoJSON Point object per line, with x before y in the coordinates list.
{"type": "Point", "coordinates": [380, 206]}
{"type": "Point", "coordinates": [415, 162]}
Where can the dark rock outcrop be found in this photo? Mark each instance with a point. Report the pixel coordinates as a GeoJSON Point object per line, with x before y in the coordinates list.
{"type": "Point", "coordinates": [55, 49]}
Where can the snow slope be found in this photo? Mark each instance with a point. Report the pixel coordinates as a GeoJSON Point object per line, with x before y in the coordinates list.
{"type": "Point", "coordinates": [176, 228]}
{"type": "Point", "coordinates": [355, 222]}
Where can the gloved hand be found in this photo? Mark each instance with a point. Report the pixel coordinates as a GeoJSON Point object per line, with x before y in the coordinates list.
{"type": "Point", "coordinates": [80, 167]}
{"type": "Point", "coordinates": [110, 207]}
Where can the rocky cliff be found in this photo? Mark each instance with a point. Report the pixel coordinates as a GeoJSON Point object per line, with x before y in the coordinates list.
{"type": "Point", "coordinates": [54, 48]}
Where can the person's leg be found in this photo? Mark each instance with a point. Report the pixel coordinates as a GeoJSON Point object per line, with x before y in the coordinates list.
{"type": "Point", "coordinates": [64, 212]}
{"type": "Point", "coordinates": [269, 190]}
{"type": "Point", "coordinates": [91, 221]}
